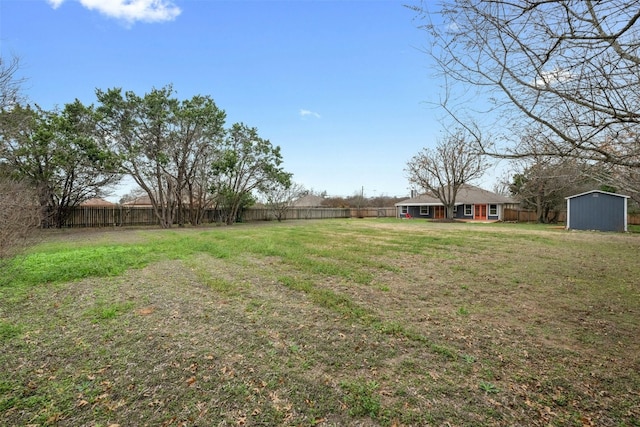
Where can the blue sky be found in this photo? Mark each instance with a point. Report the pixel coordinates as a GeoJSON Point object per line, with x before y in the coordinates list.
{"type": "Point", "coordinates": [340, 86]}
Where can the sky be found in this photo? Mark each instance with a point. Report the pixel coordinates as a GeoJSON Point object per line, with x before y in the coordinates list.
{"type": "Point", "coordinates": [343, 87]}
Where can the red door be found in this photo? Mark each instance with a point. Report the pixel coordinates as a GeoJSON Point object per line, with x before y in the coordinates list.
{"type": "Point", "coordinates": [480, 212]}
{"type": "Point", "coordinates": [438, 212]}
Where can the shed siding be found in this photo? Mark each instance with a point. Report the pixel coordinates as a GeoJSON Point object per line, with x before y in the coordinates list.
{"type": "Point", "coordinates": [597, 211]}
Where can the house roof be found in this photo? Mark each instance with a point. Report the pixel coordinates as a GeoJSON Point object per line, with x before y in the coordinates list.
{"type": "Point", "coordinates": [96, 202]}
{"type": "Point", "coordinates": [597, 191]}
{"type": "Point", "coordinates": [307, 201]}
{"type": "Point", "coordinates": [467, 195]}
{"type": "Point", "coordinates": [139, 201]}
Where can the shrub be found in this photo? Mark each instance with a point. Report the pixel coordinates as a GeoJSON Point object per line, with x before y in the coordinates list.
{"type": "Point", "coordinates": [19, 216]}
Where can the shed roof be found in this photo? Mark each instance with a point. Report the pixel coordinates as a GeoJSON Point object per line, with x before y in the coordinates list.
{"type": "Point", "coordinates": [597, 191]}
{"type": "Point", "coordinates": [467, 195]}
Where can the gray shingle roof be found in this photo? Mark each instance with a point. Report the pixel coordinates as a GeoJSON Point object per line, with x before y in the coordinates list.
{"type": "Point", "coordinates": [467, 195]}
{"type": "Point", "coordinates": [308, 201]}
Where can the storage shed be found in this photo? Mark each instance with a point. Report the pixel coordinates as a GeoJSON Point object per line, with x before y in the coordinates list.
{"type": "Point", "coordinates": [597, 210]}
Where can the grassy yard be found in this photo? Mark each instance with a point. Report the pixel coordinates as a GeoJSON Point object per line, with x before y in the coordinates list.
{"type": "Point", "coordinates": [336, 322]}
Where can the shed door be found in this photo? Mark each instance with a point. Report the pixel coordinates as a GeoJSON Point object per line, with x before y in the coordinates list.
{"type": "Point", "coordinates": [480, 212]}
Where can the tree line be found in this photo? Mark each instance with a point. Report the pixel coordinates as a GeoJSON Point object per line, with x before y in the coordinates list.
{"type": "Point", "coordinates": [179, 152]}
{"type": "Point", "coordinates": [552, 85]}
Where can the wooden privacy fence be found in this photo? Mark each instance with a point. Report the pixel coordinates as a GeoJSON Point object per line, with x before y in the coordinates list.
{"type": "Point", "coordinates": [519, 215]}
{"type": "Point", "coordinates": [100, 216]}
{"type": "Point", "coordinates": [373, 212]}
{"type": "Point", "coordinates": [115, 216]}
{"type": "Point", "coordinates": [264, 214]}
{"type": "Point", "coordinates": [531, 216]}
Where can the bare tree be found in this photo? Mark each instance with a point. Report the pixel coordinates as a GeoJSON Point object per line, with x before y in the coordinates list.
{"type": "Point", "coordinates": [9, 82]}
{"type": "Point", "coordinates": [19, 216]}
{"type": "Point", "coordinates": [567, 69]}
{"type": "Point", "coordinates": [625, 179]}
{"type": "Point", "coordinates": [280, 197]}
{"type": "Point", "coordinates": [543, 183]}
{"type": "Point", "coordinates": [132, 196]}
{"type": "Point", "coordinates": [501, 186]}
{"type": "Point", "coordinates": [440, 172]}
{"type": "Point", "coordinates": [19, 208]}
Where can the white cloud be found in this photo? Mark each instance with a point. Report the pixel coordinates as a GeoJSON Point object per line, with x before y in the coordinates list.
{"type": "Point", "coordinates": [453, 27]}
{"type": "Point", "coordinates": [131, 10]}
{"type": "Point", "coordinates": [305, 113]}
{"type": "Point", "coordinates": [548, 78]}
{"type": "Point", "coordinates": [55, 3]}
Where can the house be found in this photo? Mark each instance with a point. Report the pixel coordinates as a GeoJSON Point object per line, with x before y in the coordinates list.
{"type": "Point", "coordinates": [96, 201]}
{"type": "Point", "coordinates": [597, 210]}
{"type": "Point", "coordinates": [140, 201]}
{"type": "Point", "coordinates": [472, 203]}
{"type": "Point", "coordinates": [308, 201]}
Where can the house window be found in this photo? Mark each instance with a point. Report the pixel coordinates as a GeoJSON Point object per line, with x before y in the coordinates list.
{"type": "Point", "coordinates": [455, 209]}
{"type": "Point", "coordinates": [424, 210]}
{"type": "Point", "coordinates": [404, 209]}
{"type": "Point", "coordinates": [493, 210]}
{"type": "Point", "coordinates": [467, 210]}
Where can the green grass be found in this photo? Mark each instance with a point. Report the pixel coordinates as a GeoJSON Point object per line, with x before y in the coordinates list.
{"type": "Point", "coordinates": [106, 311]}
{"type": "Point", "coordinates": [362, 398]}
{"type": "Point", "coordinates": [634, 228]}
{"type": "Point", "coordinates": [9, 331]}
{"type": "Point", "coordinates": [335, 322]}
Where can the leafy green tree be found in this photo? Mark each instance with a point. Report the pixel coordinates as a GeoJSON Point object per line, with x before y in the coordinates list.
{"type": "Point", "coordinates": [57, 153]}
{"type": "Point", "coordinates": [199, 132]}
{"type": "Point", "coordinates": [246, 164]}
{"type": "Point", "coordinates": [165, 145]}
